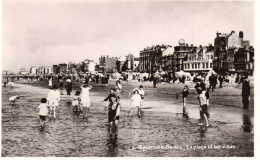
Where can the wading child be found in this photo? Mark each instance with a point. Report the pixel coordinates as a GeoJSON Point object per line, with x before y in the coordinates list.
{"type": "Point", "coordinates": [13, 99]}
{"type": "Point", "coordinates": [141, 91]}
{"type": "Point", "coordinates": [43, 111]}
{"type": "Point", "coordinates": [203, 105]}
{"type": "Point", "coordinates": [53, 99]}
{"type": "Point", "coordinates": [113, 114]}
{"type": "Point", "coordinates": [136, 102]}
{"type": "Point", "coordinates": [76, 102]}
{"type": "Point", "coordinates": [112, 93]}
{"type": "Point", "coordinates": [185, 94]}
{"type": "Point", "coordinates": [85, 99]}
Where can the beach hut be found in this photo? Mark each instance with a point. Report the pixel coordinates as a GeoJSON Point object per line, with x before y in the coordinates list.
{"type": "Point", "coordinates": [181, 73]}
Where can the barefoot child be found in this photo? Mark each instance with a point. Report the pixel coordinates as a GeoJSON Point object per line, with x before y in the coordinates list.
{"type": "Point", "coordinates": [113, 114]}
{"type": "Point", "coordinates": [53, 99]}
{"type": "Point", "coordinates": [76, 102]}
{"type": "Point", "coordinates": [85, 99]}
{"type": "Point", "coordinates": [141, 91]}
{"type": "Point", "coordinates": [43, 111]}
{"type": "Point", "coordinates": [185, 93]}
{"type": "Point", "coordinates": [203, 105]}
{"type": "Point", "coordinates": [136, 102]}
{"type": "Point", "coordinates": [13, 99]}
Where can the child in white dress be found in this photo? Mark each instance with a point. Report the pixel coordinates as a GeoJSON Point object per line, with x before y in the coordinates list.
{"type": "Point", "coordinates": [85, 99]}
{"type": "Point", "coordinates": [53, 99]}
{"type": "Point", "coordinates": [136, 102]}
{"type": "Point", "coordinates": [43, 111]}
{"type": "Point", "coordinates": [76, 102]}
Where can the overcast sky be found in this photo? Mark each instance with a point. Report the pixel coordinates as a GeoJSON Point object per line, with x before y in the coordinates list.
{"type": "Point", "coordinates": [43, 32]}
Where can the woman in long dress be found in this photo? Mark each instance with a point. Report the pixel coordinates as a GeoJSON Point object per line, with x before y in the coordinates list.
{"type": "Point", "coordinates": [85, 99]}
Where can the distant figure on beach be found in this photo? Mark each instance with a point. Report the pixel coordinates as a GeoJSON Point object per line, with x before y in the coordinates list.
{"type": "Point", "coordinates": [113, 114]}
{"type": "Point", "coordinates": [104, 81]}
{"type": "Point", "coordinates": [76, 102]}
{"type": "Point", "coordinates": [5, 83]}
{"type": "Point", "coordinates": [154, 82]}
{"type": "Point", "coordinates": [50, 82]}
{"type": "Point", "coordinates": [68, 88]}
{"type": "Point", "coordinates": [221, 79]}
{"type": "Point", "coordinates": [60, 83]}
{"type": "Point", "coordinates": [43, 111]}
{"type": "Point", "coordinates": [13, 99]}
{"type": "Point", "coordinates": [85, 99]}
{"type": "Point", "coordinates": [11, 84]}
{"type": "Point", "coordinates": [245, 92]}
{"type": "Point", "coordinates": [86, 79]}
{"type": "Point", "coordinates": [53, 99]}
{"type": "Point", "coordinates": [185, 93]}
{"type": "Point", "coordinates": [97, 78]}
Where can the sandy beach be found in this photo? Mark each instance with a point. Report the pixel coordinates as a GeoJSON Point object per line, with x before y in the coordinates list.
{"type": "Point", "coordinates": [160, 132]}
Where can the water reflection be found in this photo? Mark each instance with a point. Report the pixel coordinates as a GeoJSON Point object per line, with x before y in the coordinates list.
{"type": "Point", "coordinates": [247, 125]}
{"type": "Point", "coordinates": [112, 146]}
{"type": "Point", "coordinates": [202, 131]}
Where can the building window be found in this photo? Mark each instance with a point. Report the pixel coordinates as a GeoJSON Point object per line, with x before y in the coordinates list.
{"type": "Point", "coordinates": [207, 65]}
{"type": "Point", "coordinates": [192, 66]}
{"type": "Point", "coordinates": [203, 65]}
{"type": "Point", "coordinates": [210, 65]}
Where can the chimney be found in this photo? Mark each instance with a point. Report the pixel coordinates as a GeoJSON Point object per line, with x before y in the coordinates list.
{"type": "Point", "coordinates": [241, 34]}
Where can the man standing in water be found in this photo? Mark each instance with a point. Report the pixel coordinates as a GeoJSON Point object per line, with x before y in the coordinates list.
{"type": "Point", "coordinates": [245, 92]}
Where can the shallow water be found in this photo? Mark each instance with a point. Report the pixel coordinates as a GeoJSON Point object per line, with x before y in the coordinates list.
{"type": "Point", "coordinates": [166, 133]}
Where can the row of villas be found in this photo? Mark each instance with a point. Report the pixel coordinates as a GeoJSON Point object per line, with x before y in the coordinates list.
{"type": "Point", "coordinates": [85, 66]}
{"type": "Point", "coordinates": [36, 70]}
{"type": "Point", "coordinates": [230, 54]}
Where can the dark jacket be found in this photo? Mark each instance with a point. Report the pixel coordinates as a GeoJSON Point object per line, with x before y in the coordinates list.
{"type": "Point", "coordinates": [245, 88]}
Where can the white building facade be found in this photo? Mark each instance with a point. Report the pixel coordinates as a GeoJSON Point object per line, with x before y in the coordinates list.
{"type": "Point", "coordinates": [201, 61]}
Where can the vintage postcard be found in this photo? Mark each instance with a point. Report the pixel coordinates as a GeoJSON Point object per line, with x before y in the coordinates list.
{"type": "Point", "coordinates": [133, 78]}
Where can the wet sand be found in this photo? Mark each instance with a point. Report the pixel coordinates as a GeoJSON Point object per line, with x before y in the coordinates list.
{"type": "Point", "coordinates": [160, 132]}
